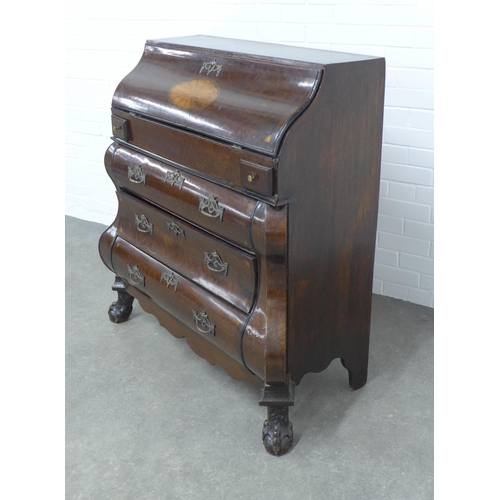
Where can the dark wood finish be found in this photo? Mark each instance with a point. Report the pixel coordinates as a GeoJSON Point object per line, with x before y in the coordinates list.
{"type": "Point", "coordinates": [184, 201]}
{"type": "Point", "coordinates": [120, 128]}
{"type": "Point", "coordinates": [120, 310]}
{"type": "Point", "coordinates": [247, 176]}
{"type": "Point", "coordinates": [182, 300]}
{"type": "Point", "coordinates": [188, 248]}
{"type": "Point", "coordinates": [202, 347]}
{"type": "Point", "coordinates": [277, 432]}
{"type": "Point", "coordinates": [105, 246]}
{"type": "Point", "coordinates": [256, 177]}
{"type": "Point", "coordinates": [264, 342]}
{"type": "Point", "coordinates": [246, 49]}
{"type": "Point", "coordinates": [219, 161]}
{"type": "Point", "coordinates": [248, 101]}
{"type": "Point", "coordinates": [333, 219]}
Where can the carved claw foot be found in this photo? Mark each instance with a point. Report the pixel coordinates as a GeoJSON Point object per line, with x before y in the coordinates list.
{"type": "Point", "coordinates": [120, 310]}
{"type": "Point", "coordinates": [277, 433]}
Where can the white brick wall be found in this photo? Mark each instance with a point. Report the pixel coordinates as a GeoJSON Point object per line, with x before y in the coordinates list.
{"type": "Point", "coordinates": [104, 41]}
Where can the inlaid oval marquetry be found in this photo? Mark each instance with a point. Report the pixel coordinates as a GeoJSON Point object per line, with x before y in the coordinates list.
{"type": "Point", "coordinates": [193, 94]}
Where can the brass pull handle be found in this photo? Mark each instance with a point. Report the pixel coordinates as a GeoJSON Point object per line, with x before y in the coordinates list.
{"type": "Point", "coordinates": [115, 128]}
{"type": "Point", "coordinates": [250, 177]}
{"type": "Point", "coordinates": [176, 229]}
{"type": "Point", "coordinates": [210, 207]}
{"type": "Point", "coordinates": [143, 225]}
{"type": "Point", "coordinates": [136, 175]}
{"type": "Point", "coordinates": [135, 276]}
{"type": "Point", "coordinates": [215, 263]}
{"type": "Point", "coordinates": [170, 279]}
{"type": "Point", "coordinates": [174, 179]}
{"type": "Point", "coordinates": [202, 322]}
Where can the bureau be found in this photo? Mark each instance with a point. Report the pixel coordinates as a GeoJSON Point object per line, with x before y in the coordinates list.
{"type": "Point", "coordinates": [247, 177]}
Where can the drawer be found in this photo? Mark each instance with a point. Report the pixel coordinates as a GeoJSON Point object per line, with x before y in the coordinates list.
{"type": "Point", "coordinates": [210, 262]}
{"type": "Point", "coordinates": [215, 208]}
{"type": "Point", "coordinates": [198, 309]}
{"type": "Point", "coordinates": [246, 169]}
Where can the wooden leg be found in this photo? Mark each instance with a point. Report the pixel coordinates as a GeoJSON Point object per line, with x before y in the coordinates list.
{"type": "Point", "coordinates": [277, 433]}
{"type": "Point", "coordinates": [120, 310]}
{"type": "Point", "coordinates": [357, 375]}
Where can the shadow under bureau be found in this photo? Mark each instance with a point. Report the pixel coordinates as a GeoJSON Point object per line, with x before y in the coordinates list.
{"type": "Point", "coordinates": [247, 177]}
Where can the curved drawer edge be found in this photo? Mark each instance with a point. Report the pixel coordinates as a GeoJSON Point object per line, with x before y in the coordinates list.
{"type": "Point", "coordinates": [105, 245]}
{"type": "Point", "coordinates": [264, 341]}
{"type": "Point", "coordinates": [203, 348]}
{"type": "Point", "coordinates": [189, 250]}
{"type": "Point", "coordinates": [205, 204]}
{"type": "Point", "coordinates": [200, 311]}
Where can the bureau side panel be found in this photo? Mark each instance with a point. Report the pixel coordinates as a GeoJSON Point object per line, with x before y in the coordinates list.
{"type": "Point", "coordinates": [330, 170]}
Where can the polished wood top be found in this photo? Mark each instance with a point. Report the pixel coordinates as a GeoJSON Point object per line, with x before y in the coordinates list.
{"type": "Point", "coordinates": [263, 50]}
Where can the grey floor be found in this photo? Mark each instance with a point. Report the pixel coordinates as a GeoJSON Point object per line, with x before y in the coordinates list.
{"type": "Point", "coordinates": [148, 419]}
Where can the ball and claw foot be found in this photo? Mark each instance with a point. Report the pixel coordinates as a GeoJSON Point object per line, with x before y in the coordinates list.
{"type": "Point", "coordinates": [277, 433]}
{"type": "Point", "coordinates": [120, 310]}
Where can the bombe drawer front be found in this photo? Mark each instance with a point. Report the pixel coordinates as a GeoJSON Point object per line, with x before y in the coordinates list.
{"type": "Point", "coordinates": [198, 309]}
{"type": "Point", "coordinates": [221, 268]}
{"type": "Point", "coordinates": [213, 207]}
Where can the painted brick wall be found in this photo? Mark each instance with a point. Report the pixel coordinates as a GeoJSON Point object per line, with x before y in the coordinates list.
{"type": "Point", "coordinates": [104, 41]}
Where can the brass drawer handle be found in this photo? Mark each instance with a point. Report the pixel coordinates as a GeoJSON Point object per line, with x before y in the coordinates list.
{"type": "Point", "coordinates": [135, 276]}
{"type": "Point", "coordinates": [143, 225]}
{"type": "Point", "coordinates": [136, 175]}
{"type": "Point", "coordinates": [174, 179]}
{"type": "Point", "coordinates": [210, 207]}
{"type": "Point", "coordinates": [176, 229]}
{"type": "Point", "coordinates": [202, 322]}
{"type": "Point", "coordinates": [215, 263]}
{"type": "Point", "coordinates": [170, 279]}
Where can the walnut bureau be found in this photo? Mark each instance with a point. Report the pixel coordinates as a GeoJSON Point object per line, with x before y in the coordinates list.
{"type": "Point", "coordinates": [247, 177]}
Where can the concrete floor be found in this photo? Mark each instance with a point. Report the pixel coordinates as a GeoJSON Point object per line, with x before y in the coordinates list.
{"type": "Point", "coordinates": [148, 419]}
